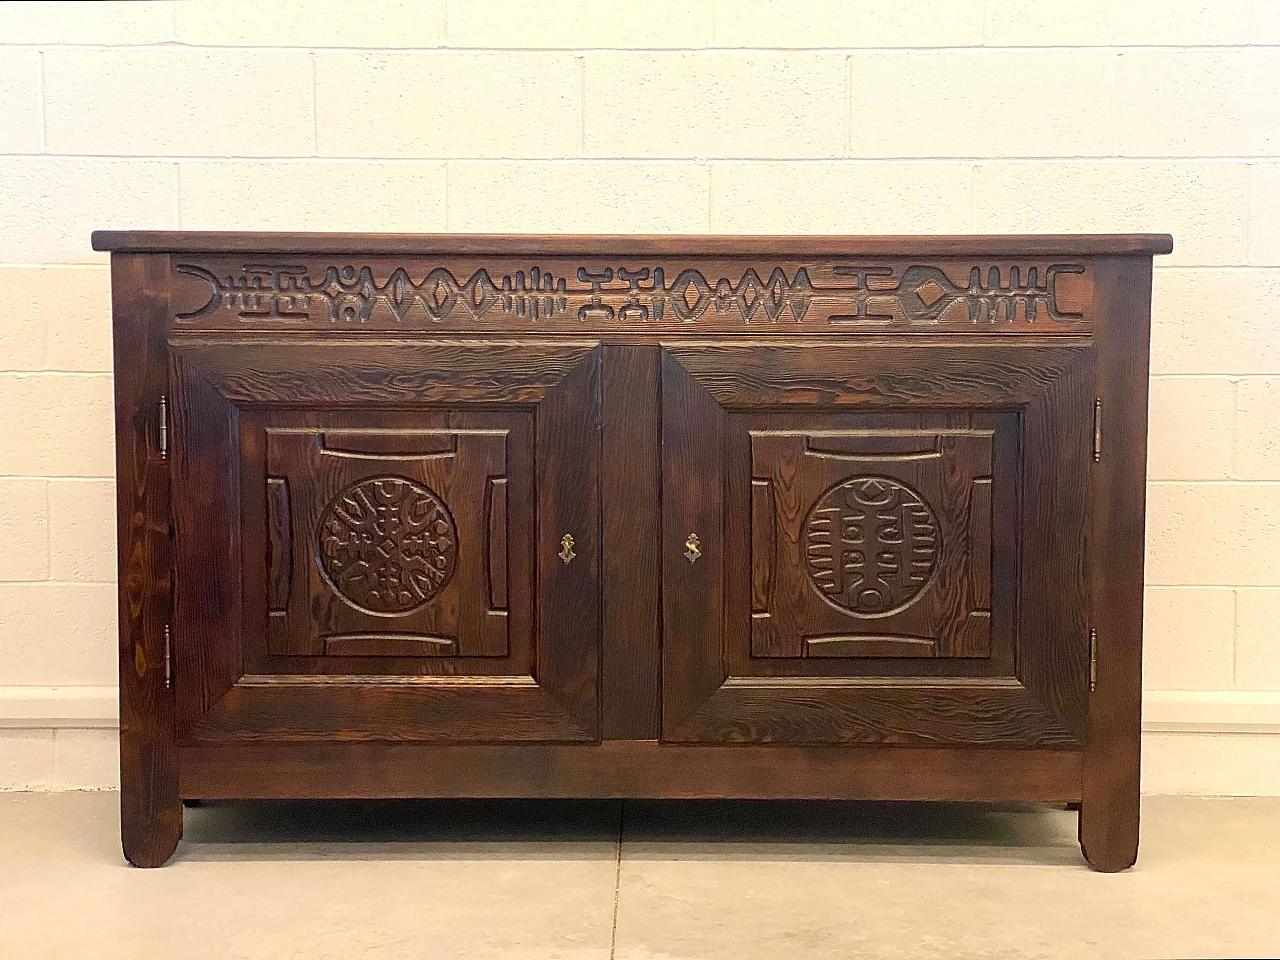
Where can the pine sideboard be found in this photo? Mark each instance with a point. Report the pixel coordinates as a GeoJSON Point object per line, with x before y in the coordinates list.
{"type": "Point", "coordinates": [630, 516]}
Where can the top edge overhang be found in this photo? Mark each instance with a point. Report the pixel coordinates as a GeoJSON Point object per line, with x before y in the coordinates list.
{"type": "Point", "coordinates": [601, 245]}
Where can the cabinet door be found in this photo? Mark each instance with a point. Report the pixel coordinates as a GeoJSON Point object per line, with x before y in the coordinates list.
{"type": "Point", "coordinates": [875, 544]}
{"type": "Point", "coordinates": [385, 540]}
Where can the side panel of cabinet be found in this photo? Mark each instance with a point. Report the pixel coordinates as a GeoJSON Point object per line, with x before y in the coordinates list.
{"type": "Point", "coordinates": [386, 541]}
{"type": "Point", "coordinates": [1111, 793]}
{"type": "Point", "coordinates": [888, 543]}
{"type": "Point", "coordinates": [150, 808]}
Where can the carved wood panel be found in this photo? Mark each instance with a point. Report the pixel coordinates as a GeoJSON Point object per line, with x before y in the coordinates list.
{"type": "Point", "coordinates": [872, 534]}
{"type": "Point", "coordinates": [892, 541]}
{"type": "Point", "coordinates": [401, 535]}
{"type": "Point", "coordinates": [557, 294]}
{"type": "Point", "coordinates": [360, 538]}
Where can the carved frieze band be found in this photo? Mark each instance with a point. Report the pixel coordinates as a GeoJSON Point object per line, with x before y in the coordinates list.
{"type": "Point", "coordinates": [1041, 295]}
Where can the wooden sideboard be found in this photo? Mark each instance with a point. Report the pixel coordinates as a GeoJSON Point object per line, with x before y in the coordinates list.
{"type": "Point", "coordinates": [526, 516]}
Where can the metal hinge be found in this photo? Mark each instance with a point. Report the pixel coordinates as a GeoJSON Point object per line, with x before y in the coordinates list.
{"type": "Point", "coordinates": [1097, 429]}
{"type": "Point", "coordinates": [1093, 659]}
{"type": "Point", "coordinates": [162, 415]}
{"type": "Point", "coordinates": [168, 660]}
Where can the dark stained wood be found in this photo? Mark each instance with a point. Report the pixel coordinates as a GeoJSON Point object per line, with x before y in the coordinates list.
{"type": "Point", "coordinates": [631, 517]}
{"type": "Point", "coordinates": [150, 811]}
{"type": "Point", "coordinates": [429, 575]}
{"type": "Point", "coordinates": [389, 645]}
{"type": "Point", "coordinates": [787, 413]}
{"type": "Point", "coordinates": [475, 709]}
{"type": "Point", "coordinates": [829, 374]}
{"type": "Point", "coordinates": [626, 768]}
{"type": "Point", "coordinates": [279, 544]}
{"type": "Point", "coordinates": [1110, 794]}
{"type": "Point", "coordinates": [207, 617]}
{"type": "Point", "coordinates": [568, 650]}
{"type": "Point", "coordinates": [639, 294]}
{"type": "Point", "coordinates": [920, 473]}
{"type": "Point", "coordinates": [497, 556]}
{"type": "Point", "coordinates": [478, 244]}
{"type": "Point", "coordinates": [813, 710]}
{"type": "Point", "coordinates": [446, 552]}
{"type": "Point", "coordinates": [380, 373]}
{"type": "Point", "coordinates": [693, 442]}
{"type": "Point", "coordinates": [1053, 601]}
{"type": "Point", "coordinates": [630, 486]}
{"type": "Point", "coordinates": [386, 484]}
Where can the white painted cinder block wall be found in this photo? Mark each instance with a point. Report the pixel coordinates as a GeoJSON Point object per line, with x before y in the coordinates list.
{"type": "Point", "coordinates": [764, 116]}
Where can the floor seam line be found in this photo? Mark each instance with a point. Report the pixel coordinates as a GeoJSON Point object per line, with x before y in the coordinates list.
{"type": "Point", "coordinates": [617, 883]}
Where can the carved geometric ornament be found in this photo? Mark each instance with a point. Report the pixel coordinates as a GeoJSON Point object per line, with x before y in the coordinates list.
{"type": "Point", "coordinates": [871, 545]}
{"type": "Point", "coordinates": [387, 545]}
{"type": "Point", "coordinates": [922, 294]}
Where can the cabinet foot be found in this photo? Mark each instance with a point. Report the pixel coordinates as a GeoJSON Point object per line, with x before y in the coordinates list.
{"type": "Point", "coordinates": [150, 809]}
{"type": "Point", "coordinates": [151, 844]}
{"type": "Point", "coordinates": [1108, 838]}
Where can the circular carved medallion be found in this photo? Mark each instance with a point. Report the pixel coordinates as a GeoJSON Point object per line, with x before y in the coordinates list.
{"type": "Point", "coordinates": [870, 545]}
{"type": "Point", "coordinates": [387, 545]}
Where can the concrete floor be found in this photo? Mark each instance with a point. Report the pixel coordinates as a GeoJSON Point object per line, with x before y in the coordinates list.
{"type": "Point", "coordinates": [645, 880]}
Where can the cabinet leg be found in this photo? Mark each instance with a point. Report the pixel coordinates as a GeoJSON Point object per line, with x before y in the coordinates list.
{"type": "Point", "coordinates": [150, 810]}
{"type": "Point", "coordinates": [1108, 832]}
{"type": "Point", "coordinates": [1109, 788]}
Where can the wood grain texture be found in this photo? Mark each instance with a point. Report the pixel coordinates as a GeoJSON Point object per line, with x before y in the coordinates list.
{"type": "Point", "coordinates": [792, 413]}
{"type": "Point", "coordinates": [861, 441]}
{"type": "Point", "coordinates": [208, 612]}
{"type": "Point", "coordinates": [693, 441]}
{"type": "Point", "coordinates": [341, 662]}
{"type": "Point", "coordinates": [376, 374]}
{"type": "Point", "coordinates": [388, 645]}
{"type": "Point", "coordinates": [497, 557]}
{"type": "Point", "coordinates": [1053, 599]}
{"type": "Point", "coordinates": [824, 373]}
{"type": "Point", "coordinates": [869, 539]}
{"type": "Point", "coordinates": [868, 645]}
{"type": "Point", "coordinates": [814, 710]}
{"type": "Point", "coordinates": [458, 454]}
{"type": "Point", "coordinates": [398, 541]}
{"type": "Point", "coordinates": [1112, 765]}
{"type": "Point", "coordinates": [440, 710]}
{"type": "Point", "coordinates": [568, 445]}
{"type": "Point", "coordinates": [279, 543]}
{"type": "Point", "coordinates": [630, 575]}
{"type": "Point", "coordinates": [150, 810]}
{"type": "Point", "coordinates": [627, 768]}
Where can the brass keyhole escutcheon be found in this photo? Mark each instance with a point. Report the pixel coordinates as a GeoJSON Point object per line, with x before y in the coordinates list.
{"type": "Point", "coordinates": [692, 548]}
{"type": "Point", "coordinates": [566, 548]}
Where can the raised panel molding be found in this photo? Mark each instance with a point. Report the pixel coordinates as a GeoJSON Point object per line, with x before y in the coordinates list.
{"type": "Point", "coordinates": [386, 569]}
{"type": "Point", "coordinates": [348, 475]}
{"type": "Point", "coordinates": [867, 540]}
{"type": "Point", "coordinates": [730, 683]}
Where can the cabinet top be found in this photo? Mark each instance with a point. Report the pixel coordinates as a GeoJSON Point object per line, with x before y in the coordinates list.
{"type": "Point", "coordinates": [478, 244]}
